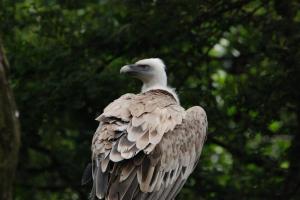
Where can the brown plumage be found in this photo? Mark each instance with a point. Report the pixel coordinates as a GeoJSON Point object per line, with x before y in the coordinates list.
{"type": "Point", "coordinates": [145, 147]}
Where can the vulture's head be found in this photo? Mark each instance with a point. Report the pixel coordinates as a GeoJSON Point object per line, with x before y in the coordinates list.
{"type": "Point", "coordinates": [150, 71]}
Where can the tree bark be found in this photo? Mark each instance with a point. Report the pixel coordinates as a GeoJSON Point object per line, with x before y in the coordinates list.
{"type": "Point", "coordinates": [9, 131]}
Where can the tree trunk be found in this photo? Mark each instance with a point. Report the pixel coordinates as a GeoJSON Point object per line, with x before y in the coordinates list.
{"type": "Point", "coordinates": [9, 131]}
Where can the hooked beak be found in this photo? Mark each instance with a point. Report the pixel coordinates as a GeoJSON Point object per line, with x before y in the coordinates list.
{"type": "Point", "coordinates": [125, 69]}
{"type": "Point", "coordinates": [129, 69]}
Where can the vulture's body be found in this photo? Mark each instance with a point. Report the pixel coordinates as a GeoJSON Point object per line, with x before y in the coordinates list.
{"type": "Point", "coordinates": [145, 147]}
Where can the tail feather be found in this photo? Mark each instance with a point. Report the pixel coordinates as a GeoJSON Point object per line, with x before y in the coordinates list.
{"type": "Point", "coordinates": [87, 174]}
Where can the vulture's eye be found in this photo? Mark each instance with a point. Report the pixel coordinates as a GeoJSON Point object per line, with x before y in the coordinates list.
{"type": "Point", "coordinates": [144, 66]}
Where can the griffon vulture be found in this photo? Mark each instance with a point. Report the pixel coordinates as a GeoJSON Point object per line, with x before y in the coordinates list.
{"type": "Point", "coordinates": [146, 144]}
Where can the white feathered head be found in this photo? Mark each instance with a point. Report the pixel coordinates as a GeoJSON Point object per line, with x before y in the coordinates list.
{"type": "Point", "coordinates": [152, 72]}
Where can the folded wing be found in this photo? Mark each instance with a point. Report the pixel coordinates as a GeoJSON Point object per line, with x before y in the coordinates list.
{"type": "Point", "coordinates": [145, 147]}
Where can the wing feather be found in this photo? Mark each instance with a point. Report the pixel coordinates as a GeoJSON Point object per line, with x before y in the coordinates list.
{"type": "Point", "coordinates": [115, 155]}
{"type": "Point", "coordinates": [101, 180]}
{"type": "Point", "coordinates": [87, 174]}
{"type": "Point", "coordinates": [143, 141]}
{"type": "Point", "coordinates": [125, 144]}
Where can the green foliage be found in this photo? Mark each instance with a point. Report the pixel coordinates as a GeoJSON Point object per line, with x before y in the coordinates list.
{"type": "Point", "coordinates": [240, 60]}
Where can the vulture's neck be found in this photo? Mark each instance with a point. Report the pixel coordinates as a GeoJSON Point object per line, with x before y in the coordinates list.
{"type": "Point", "coordinates": [159, 83]}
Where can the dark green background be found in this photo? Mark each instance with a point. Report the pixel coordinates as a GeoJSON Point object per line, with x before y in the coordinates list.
{"type": "Point", "coordinates": [239, 59]}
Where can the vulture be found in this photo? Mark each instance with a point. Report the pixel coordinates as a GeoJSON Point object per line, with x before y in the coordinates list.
{"type": "Point", "coordinates": [146, 144]}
